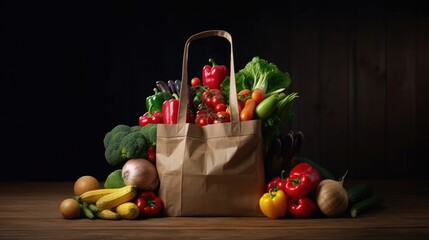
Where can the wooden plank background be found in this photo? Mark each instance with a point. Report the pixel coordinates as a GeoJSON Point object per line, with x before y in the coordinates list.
{"type": "Point", "coordinates": [361, 71]}
{"type": "Point", "coordinates": [360, 67]}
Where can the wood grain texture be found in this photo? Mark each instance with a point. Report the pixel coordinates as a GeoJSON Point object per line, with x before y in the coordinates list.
{"type": "Point", "coordinates": [401, 87]}
{"type": "Point", "coordinates": [422, 86]}
{"type": "Point", "coordinates": [361, 72]}
{"type": "Point", "coordinates": [30, 211]}
{"type": "Point", "coordinates": [360, 67]}
{"type": "Point", "coordinates": [370, 83]}
{"type": "Point", "coordinates": [305, 70]}
{"type": "Point", "coordinates": [334, 80]}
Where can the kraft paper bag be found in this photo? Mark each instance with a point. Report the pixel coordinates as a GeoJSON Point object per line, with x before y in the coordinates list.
{"type": "Point", "coordinates": [214, 170]}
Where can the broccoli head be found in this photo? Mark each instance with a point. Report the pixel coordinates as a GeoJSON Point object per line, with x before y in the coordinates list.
{"type": "Point", "coordinates": [117, 128]}
{"type": "Point", "coordinates": [112, 151]}
{"type": "Point", "coordinates": [135, 128]}
{"type": "Point", "coordinates": [149, 132]}
{"type": "Point", "coordinates": [133, 145]}
{"type": "Point", "coordinates": [124, 142]}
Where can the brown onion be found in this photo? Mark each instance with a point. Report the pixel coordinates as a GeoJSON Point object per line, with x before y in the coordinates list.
{"type": "Point", "coordinates": [141, 174]}
{"type": "Point", "coordinates": [332, 198]}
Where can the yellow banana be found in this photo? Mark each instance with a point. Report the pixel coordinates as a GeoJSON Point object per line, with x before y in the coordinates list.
{"type": "Point", "coordinates": [93, 195]}
{"type": "Point", "coordinates": [112, 200]}
{"type": "Point", "coordinates": [108, 214]}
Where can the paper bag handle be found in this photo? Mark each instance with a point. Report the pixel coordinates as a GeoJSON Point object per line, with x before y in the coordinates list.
{"type": "Point", "coordinates": [233, 103]}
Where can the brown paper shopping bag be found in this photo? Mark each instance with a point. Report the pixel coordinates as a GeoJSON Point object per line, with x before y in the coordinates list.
{"type": "Point", "coordinates": [214, 170]}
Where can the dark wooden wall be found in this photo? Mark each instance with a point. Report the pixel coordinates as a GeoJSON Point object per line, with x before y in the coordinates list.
{"type": "Point", "coordinates": [362, 74]}
{"type": "Point", "coordinates": [73, 70]}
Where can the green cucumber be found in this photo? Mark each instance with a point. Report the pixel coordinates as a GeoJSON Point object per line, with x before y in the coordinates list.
{"type": "Point", "coordinates": [324, 173]}
{"type": "Point", "coordinates": [358, 192]}
{"type": "Point", "coordinates": [365, 205]}
{"type": "Point", "coordinates": [266, 108]}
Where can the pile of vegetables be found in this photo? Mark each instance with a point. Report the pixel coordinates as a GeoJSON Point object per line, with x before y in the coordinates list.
{"type": "Point", "coordinates": [130, 191]}
{"type": "Point", "coordinates": [261, 88]}
{"type": "Point", "coordinates": [261, 95]}
{"type": "Point", "coordinates": [310, 190]}
{"type": "Point", "coordinates": [296, 187]}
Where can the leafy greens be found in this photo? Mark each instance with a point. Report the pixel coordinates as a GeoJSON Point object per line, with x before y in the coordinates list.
{"type": "Point", "coordinates": [259, 73]}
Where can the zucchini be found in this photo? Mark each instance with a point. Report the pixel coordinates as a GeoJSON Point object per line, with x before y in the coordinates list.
{"type": "Point", "coordinates": [365, 205]}
{"type": "Point", "coordinates": [86, 211]}
{"type": "Point", "coordinates": [358, 192]}
{"type": "Point", "coordinates": [324, 173]}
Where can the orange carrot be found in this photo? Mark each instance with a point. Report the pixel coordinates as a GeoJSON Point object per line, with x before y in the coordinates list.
{"type": "Point", "coordinates": [242, 97]}
{"type": "Point", "coordinates": [248, 110]}
{"type": "Point", "coordinates": [244, 92]}
{"type": "Point", "coordinates": [258, 95]}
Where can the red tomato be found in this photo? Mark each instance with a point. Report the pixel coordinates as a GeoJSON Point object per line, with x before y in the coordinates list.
{"type": "Point", "coordinates": [195, 82]}
{"type": "Point", "coordinates": [216, 99]}
{"type": "Point", "coordinates": [190, 117]}
{"type": "Point", "coordinates": [222, 117]}
{"type": "Point", "coordinates": [208, 100]}
{"type": "Point", "coordinates": [201, 120]}
{"type": "Point", "coordinates": [205, 94]}
{"type": "Point", "coordinates": [201, 112]}
{"type": "Point", "coordinates": [216, 91]}
{"type": "Point", "coordinates": [151, 156]}
{"type": "Point", "coordinates": [220, 107]}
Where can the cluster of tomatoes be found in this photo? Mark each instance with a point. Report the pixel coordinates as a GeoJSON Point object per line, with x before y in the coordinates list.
{"type": "Point", "coordinates": [210, 103]}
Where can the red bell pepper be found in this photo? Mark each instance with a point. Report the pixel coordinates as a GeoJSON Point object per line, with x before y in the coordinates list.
{"type": "Point", "coordinates": [278, 183]}
{"type": "Point", "coordinates": [302, 179]}
{"type": "Point", "coordinates": [170, 110]}
{"type": "Point", "coordinates": [154, 117]}
{"type": "Point", "coordinates": [214, 75]}
{"type": "Point", "coordinates": [149, 204]}
{"type": "Point", "coordinates": [302, 208]}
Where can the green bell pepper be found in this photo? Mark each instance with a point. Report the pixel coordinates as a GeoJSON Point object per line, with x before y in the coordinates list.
{"type": "Point", "coordinates": [155, 101]}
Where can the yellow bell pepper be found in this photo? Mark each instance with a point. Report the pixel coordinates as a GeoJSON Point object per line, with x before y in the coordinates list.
{"type": "Point", "coordinates": [273, 204]}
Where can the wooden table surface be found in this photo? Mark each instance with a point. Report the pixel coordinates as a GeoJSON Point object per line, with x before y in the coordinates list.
{"type": "Point", "coordinates": [29, 210]}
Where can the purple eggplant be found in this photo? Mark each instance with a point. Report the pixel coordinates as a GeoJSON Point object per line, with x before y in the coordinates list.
{"type": "Point", "coordinates": [177, 85]}
{"type": "Point", "coordinates": [172, 86]}
{"type": "Point", "coordinates": [163, 87]}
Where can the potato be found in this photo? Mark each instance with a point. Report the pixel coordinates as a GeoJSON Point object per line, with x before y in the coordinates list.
{"type": "Point", "coordinates": [70, 208]}
{"type": "Point", "coordinates": [84, 184]}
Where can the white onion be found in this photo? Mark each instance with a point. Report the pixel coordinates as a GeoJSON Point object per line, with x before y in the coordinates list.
{"type": "Point", "coordinates": [332, 198]}
{"type": "Point", "coordinates": [141, 174]}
